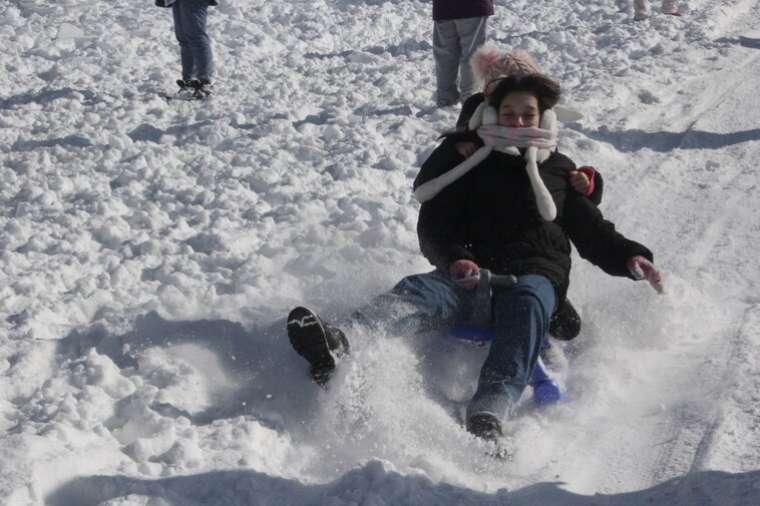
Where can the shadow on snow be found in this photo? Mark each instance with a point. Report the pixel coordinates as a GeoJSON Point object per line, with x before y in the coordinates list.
{"type": "Point", "coordinates": [748, 42]}
{"type": "Point", "coordinates": [634, 140]}
{"type": "Point", "coordinates": [373, 483]}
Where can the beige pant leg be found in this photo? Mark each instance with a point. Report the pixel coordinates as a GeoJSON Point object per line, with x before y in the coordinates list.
{"type": "Point", "coordinates": [670, 6]}
{"type": "Point", "coordinates": [641, 8]}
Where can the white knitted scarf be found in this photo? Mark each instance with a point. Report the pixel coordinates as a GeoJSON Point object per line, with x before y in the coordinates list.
{"type": "Point", "coordinates": [540, 142]}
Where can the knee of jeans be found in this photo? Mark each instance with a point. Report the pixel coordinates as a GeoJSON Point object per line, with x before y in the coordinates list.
{"type": "Point", "coordinates": [522, 297]}
{"type": "Point", "coordinates": [414, 284]}
{"type": "Point", "coordinates": [407, 286]}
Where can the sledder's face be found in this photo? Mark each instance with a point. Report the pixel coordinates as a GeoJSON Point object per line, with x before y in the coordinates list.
{"type": "Point", "coordinates": [519, 109]}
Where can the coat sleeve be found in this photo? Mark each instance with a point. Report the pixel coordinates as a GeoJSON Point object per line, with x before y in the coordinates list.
{"type": "Point", "coordinates": [440, 226]}
{"type": "Point", "coordinates": [596, 238]}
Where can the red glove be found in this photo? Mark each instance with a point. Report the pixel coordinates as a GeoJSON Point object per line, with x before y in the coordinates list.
{"type": "Point", "coordinates": [465, 273]}
{"type": "Point", "coordinates": [590, 172]}
{"type": "Point", "coordinates": [641, 268]}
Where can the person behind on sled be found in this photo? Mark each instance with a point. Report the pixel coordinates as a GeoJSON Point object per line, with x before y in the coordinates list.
{"type": "Point", "coordinates": [489, 65]}
{"type": "Point", "coordinates": [509, 208]}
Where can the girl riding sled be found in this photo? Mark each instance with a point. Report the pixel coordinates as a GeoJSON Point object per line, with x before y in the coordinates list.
{"type": "Point", "coordinates": [510, 208]}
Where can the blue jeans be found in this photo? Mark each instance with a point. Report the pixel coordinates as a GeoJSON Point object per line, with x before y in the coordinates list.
{"type": "Point", "coordinates": [521, 320]}
{"type": "Point", "coordinates": [195, 46]}
{"type": "Point", "coordinates": [424, 302]}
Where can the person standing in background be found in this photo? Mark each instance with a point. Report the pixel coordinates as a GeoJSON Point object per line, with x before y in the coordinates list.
{"type": "Point", "coordinates": [641, 9]}
{"type": "Point", "coordinates": [459, 28]}
{"type": "Point", "coordinates": [190, 18]}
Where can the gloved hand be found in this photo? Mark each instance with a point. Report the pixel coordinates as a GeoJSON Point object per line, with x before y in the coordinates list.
{"type": "Point", "coordinates": [582, 180]}
{"type": "Point", "coordinates": [466, 149]}
{"type": "Point", "coordinates": [465, 273]}
{"type": "Point", "coordinates": [641, 268]}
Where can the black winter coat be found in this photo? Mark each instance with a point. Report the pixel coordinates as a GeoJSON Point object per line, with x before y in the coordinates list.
{"type": "Point", "coordinates": [490, 216]}
{"type": "Point", "coordinates": [444, 10]}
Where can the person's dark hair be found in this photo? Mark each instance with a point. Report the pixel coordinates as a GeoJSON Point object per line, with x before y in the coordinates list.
{"type": "Point", "coordinates": [545, 89]}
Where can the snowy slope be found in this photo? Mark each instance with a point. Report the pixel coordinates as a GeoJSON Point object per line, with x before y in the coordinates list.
{"type": "Point", "coordinates": [149, 252]}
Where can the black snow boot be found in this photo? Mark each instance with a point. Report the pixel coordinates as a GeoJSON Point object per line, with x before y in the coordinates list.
{"type": "Point", "coordinates": [484, 426]}
{"type": "Point", "coordinates": [319, 343]}
{"type": "Point", "coordinates": [203, 88]}
{"type": "Point", "coordinates": [186, 89]}
{"type": "Point", "coordinates": [565, 323]}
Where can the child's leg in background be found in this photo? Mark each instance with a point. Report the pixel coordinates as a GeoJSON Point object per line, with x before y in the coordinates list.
{"type": "Point", "coordinates": [447, 53]}
{"type": "Point", "coordinates": [472, 35]}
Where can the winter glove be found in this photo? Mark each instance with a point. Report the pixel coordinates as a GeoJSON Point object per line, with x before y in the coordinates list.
{"type": "Point", "coordinates": [641, 268]}
{"type": "Point", "coordinates": [582, 180]}
{"type": "Point", "coordinates": [465, 273]}
{"type": "Point", "coordinates": [466, 149]}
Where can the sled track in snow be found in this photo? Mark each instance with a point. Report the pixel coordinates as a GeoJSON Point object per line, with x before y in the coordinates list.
{"type": "Point", "coordinates": [691, 437]}
{"type": "Point", "coordinates": [710, 430]}
{"type": "Point", "coordinates": [692, 432]}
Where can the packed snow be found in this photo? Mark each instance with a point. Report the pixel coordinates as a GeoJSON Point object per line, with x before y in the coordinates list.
{"type": "Point", "coordinates": [150, 251]}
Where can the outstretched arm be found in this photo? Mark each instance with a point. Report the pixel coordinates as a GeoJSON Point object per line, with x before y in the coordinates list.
{"type": "Point", "coordinates": [597, 240]}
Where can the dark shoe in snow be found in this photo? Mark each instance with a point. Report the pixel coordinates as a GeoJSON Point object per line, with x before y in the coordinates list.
{"type": "Point", "coordinates": [186, 90]}
{"type": "Point", "coordinates": [202, 88]}
{"type": "Point", "coordinates": [318, 343]}
{"type": "Point", "coordinates": [565, 323]}
{"type": "Point", "coordinates": [485, 426]}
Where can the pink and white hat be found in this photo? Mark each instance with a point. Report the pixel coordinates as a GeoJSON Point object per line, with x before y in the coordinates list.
{"type": "Point", "coordinates": [489, 63]}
